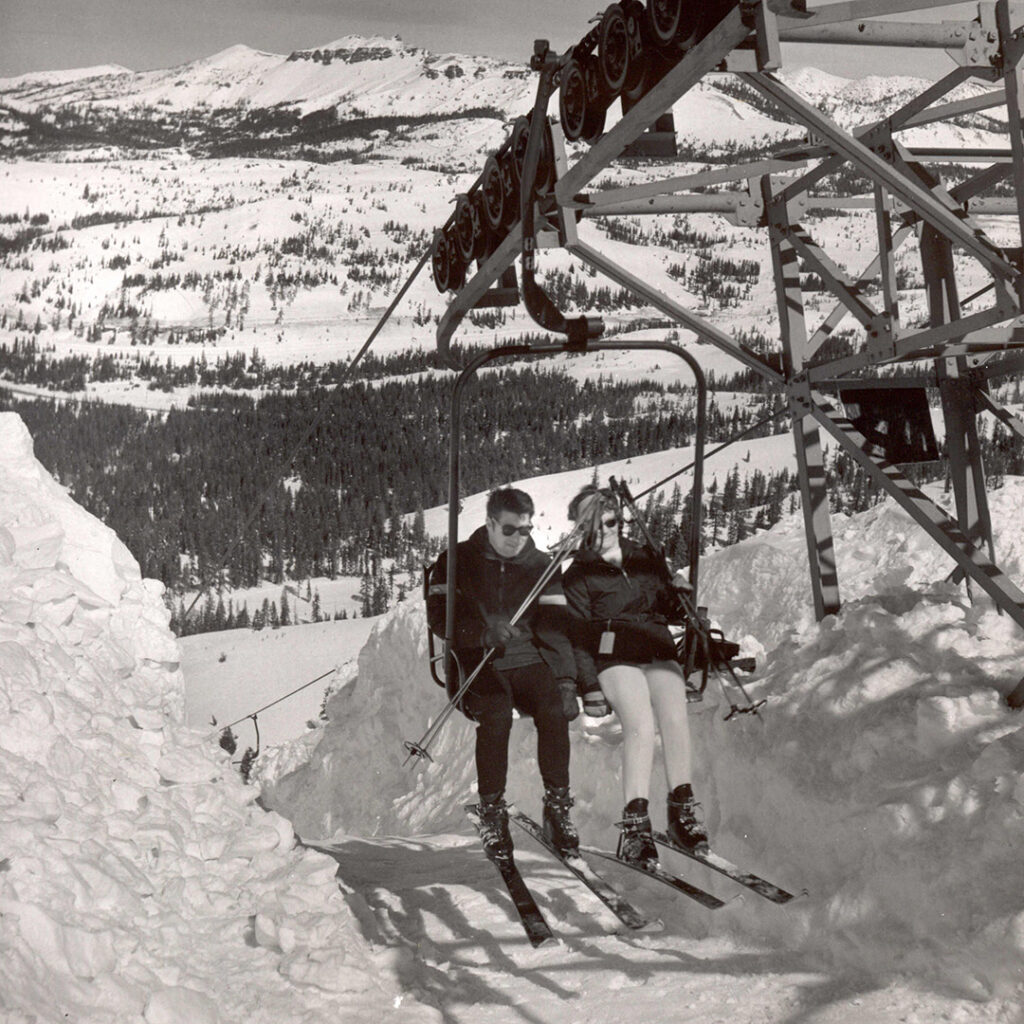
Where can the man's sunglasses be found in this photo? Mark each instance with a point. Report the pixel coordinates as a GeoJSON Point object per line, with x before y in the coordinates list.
{"type": "Point", "coordinates": [507, 529]}
{"type": "Point", "coordinates": [609, 523]}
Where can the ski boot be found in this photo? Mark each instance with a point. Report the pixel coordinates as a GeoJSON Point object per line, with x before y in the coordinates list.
{"type": "Point", "coordinates": [684, 827]}
{"type": "Point", "coordinates": [636, 845]}
{"type": "Point", "coordinates": [558, 826]}
{"type": "Point", "coordinates": [494, 833]}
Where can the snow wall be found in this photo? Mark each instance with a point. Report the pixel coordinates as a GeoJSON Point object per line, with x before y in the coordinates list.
{"type": "Point", "coordinates": [884, 774]}
{"type": "Point", "coordinates": [138, 879]}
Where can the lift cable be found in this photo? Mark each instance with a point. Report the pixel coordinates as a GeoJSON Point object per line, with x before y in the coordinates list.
{"type": "Point", "coordinates": [725, 444]}
{"type": "Point", "coordinates": [252, 714]}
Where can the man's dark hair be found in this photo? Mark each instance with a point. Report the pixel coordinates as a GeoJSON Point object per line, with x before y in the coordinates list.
{"type": "Point", "coordinates": [509, 499]}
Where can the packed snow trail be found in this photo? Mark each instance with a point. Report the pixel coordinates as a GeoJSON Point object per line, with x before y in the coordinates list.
{"type": "Point", "coordinates": [437, 904]}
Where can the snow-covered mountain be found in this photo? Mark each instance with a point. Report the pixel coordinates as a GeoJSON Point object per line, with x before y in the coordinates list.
{"type": "Point", "coordinates": [374, 75]}
{"type": "Point", "coordinates": [357, 77]}
{"type": "Point", "coordinates": [40, 80]}
{"type": "Point", "coordinates": [247, 162]}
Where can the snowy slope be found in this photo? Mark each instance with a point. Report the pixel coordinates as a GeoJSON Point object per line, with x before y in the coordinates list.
{"type": "Point", "coordinates": [138, 880]}
{"type": "Point", "coordinates": [883, 775]}
{"type": "Point", "coordinates": [233, 673]}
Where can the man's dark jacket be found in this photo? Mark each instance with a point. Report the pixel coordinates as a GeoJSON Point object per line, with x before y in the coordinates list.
{"type": "Point", "coordinates": [490, 588]}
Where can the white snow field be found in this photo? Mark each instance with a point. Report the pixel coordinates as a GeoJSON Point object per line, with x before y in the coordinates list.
{"type": "Point", "coordinates": [141, 881]}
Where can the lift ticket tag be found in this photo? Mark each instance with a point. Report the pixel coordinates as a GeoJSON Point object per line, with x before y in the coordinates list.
{"type": "Point", "coordinates": [607, 642]}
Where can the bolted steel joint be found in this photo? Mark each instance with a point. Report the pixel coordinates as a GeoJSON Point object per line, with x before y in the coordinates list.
{"type": "Point", "coordinates": [799, 395]}
{"type": "Point", "coordinates": [881, 340]}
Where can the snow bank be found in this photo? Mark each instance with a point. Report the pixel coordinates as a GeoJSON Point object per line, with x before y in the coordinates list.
{"type": "Point", "coordinates": [883, 776]}
{"type": "Point", "coordinates": [355, 781]}
{"type": "Point", "coordinates": [138, 880]}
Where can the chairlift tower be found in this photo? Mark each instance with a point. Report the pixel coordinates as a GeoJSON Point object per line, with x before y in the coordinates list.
{"type": "Point", "coordinates": [941, 200]}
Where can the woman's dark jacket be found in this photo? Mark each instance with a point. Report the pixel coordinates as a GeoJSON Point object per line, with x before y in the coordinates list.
{"type": "Point", "coordinates": [489, 588]}
{"type": "Point", "coordinates": [634, 601]}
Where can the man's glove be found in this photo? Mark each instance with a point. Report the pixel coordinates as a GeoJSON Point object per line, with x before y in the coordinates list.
{"type": "Point", "coordinates": [498, 635]}
{"type": "Point", "coordinates": [567, 694]}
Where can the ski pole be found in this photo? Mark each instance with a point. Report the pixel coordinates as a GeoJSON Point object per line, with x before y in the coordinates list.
{"type": "Point", "coordinates": [558, 555]}
{"type": "Point", "coordinates": [692, 614]}
{"type": "Point", "coordinates": [420, 749]}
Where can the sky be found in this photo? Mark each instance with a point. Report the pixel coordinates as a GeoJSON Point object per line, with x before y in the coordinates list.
{"type": "Point", "coordinates": [45, 35]}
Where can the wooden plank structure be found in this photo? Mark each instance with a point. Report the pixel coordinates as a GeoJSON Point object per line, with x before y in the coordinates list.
{"type": "Point", "coordinates": [653, 55]}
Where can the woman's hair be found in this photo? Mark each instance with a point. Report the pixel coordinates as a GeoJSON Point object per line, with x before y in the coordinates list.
{"type": "Point", "coordinates": [588, 508]}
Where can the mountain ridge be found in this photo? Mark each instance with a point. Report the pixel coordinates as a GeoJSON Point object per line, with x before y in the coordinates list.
{"type": "Point", "coordinates": [240, 96]}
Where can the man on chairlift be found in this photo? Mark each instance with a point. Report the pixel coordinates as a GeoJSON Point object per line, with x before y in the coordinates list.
{"type": "Point", "coordinates": [532, 668]}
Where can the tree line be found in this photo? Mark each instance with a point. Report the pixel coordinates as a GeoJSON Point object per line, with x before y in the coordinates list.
{"type": "Point", "coordinates": [237, 490]}
{"type": "Point", "coordinates": [321, 482]}
{"type": "Point", "coordinates": [25, 361]}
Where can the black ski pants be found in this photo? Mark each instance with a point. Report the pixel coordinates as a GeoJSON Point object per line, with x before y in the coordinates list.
{"type": "Point", "coordinates": [533, 691]}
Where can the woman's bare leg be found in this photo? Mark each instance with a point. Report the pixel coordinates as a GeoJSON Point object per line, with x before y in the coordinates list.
{"type": "Point", "coordinates": [627, 691]}
{"type": "Point", "coordinates": [667, 689]}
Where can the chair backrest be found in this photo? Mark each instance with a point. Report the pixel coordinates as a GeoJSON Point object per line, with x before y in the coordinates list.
{"type": "Point", "coordinates": [435, 657]}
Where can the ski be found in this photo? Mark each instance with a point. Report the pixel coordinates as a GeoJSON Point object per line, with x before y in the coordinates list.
{"type": "Point", "coordinates": [537, 929]}
{"type": "Point", "coordinates": [725, 867]}
{"type": "Point", "coordinates": [602, 889]}
{"type": "Point", "coordinates": [705, 899]}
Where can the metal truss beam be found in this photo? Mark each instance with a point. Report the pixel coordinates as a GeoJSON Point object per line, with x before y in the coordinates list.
{"type": "Point", "coordinates": [858, 9]}
{"type": "Point", "coordinates": [473, 291]}
{"type": "Point", "coordinates": [704, 330]}
{"type": "Point", "coordinates": [922, 202]}
{"type": "Point", "coordinates": [1001, 413]}
{"type": "Point", "coordinates": [944, 36]}
{"type": "Point", "coordinates": [944, 530]}
{"type": "Point", "coordinates": [596, 201]}
{"type": "Point", "coordinates": [947, 111]}
{"type": "Point", "coordinates": [993, 368]}
{"type": "Point", "coordinates": [810, 456]}
{"type": "Point", "coordinates": [1014, 90]}
{"type": "Point", "coordinates": [908, 198]}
